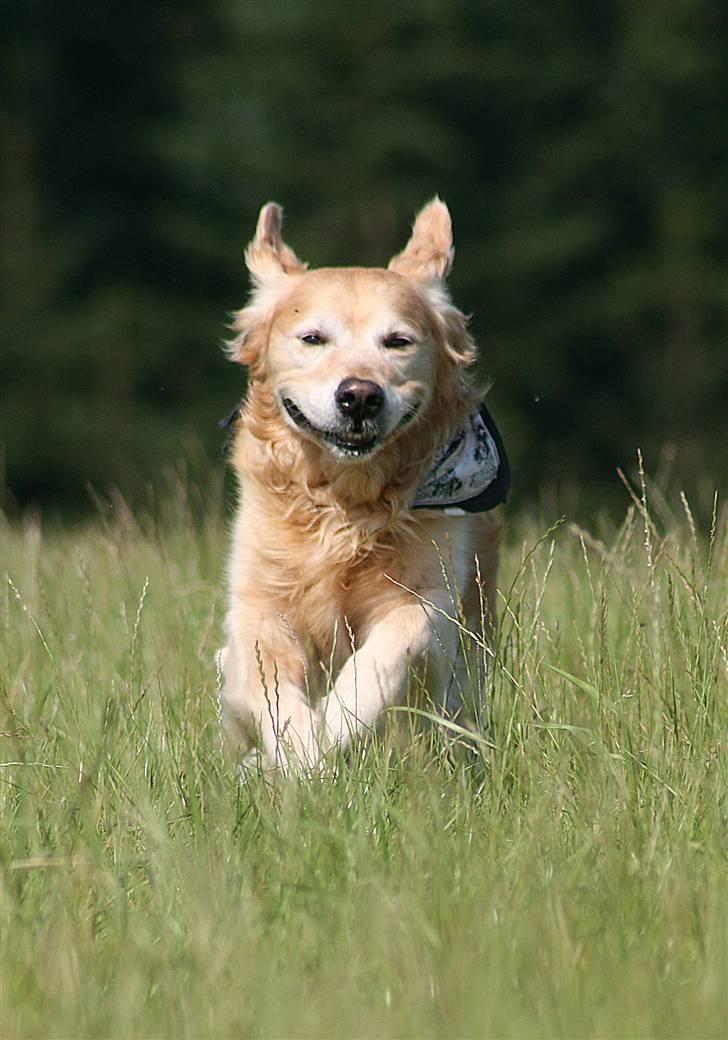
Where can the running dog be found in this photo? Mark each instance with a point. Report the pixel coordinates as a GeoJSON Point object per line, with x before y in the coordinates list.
{"type": "Point", "coordinates": [368, 470]}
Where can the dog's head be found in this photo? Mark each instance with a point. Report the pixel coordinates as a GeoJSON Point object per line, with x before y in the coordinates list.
{"type": "Point", "coordinates": [352, 356]}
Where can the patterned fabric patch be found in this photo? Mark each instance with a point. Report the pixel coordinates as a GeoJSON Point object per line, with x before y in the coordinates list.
{"type": "Point", "coordinates": [463, 468]}
{"type": "Point", "coordinates": [471, 471]}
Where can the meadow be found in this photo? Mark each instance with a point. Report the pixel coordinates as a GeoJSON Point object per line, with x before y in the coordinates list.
{"type": "Point", "coordinates": [561, 874]}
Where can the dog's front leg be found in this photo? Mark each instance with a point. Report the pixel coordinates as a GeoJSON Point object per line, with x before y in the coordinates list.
{"type": "Point", "coordinates": [375, 676]}
{"type": "Point", "coordinates": [265, 701]}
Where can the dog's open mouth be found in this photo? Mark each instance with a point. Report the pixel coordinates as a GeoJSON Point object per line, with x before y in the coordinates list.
{"type": "Point", "coordinates": [354, 443]}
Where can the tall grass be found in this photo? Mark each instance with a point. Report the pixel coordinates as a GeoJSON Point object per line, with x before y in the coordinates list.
{"type": "Point", "coordinates": [565, 876]}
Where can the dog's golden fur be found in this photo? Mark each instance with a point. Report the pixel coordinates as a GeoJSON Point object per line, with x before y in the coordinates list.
{"type": "Point", "coordinates": [332, 573]}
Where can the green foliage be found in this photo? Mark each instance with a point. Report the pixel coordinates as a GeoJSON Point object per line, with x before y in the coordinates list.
{"type": "Point", "coordinates": [581, 148]}
{"type": "Point", "coordinates": [565, 876]}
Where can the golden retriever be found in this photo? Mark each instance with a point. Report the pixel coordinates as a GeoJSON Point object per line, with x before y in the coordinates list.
{"type": "Point", "coordinates": [354, 544]}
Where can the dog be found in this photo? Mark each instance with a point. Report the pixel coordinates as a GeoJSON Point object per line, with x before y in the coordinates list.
{"type": "Point", "coordinates": [368, 471]}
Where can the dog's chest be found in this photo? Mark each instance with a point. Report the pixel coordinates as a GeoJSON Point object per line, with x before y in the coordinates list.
{"type": "Point", "coordinates": [338, 585]}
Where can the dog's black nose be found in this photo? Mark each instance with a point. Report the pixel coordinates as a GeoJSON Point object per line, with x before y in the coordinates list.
{"type": "Point", "coordinates": [359, 399]}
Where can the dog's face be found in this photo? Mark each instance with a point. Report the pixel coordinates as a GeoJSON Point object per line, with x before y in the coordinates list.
{"type": "Point", "coordinates": [351, 355]}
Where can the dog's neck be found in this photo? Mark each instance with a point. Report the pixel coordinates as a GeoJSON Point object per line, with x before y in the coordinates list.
{"type": "Point", "coordinates": [283, 463]}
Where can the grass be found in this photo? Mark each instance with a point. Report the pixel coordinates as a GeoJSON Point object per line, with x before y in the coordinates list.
{"type": "Point", "coordinates": [566, 878]}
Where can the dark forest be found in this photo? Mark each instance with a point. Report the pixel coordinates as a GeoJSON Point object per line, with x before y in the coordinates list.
{"type": "Point", "coordinates": [582, 148]}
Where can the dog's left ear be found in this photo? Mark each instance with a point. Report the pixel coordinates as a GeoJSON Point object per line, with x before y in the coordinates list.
{"type": "Point", "coordinates": [426, 260]}
{"type": "Point", "coordinates": [428, 255]}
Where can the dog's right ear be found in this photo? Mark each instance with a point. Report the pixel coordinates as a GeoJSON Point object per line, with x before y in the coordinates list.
{"type": "Point", "coordinates": [268, 257]}
{"type": "Point", "coordinates": [270, 262]}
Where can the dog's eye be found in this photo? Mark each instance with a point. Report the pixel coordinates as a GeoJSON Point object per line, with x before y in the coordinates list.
{"type": "Point", "coordinates": [395, 341]}
{"type": "Point", "coordinates": [313, 339]}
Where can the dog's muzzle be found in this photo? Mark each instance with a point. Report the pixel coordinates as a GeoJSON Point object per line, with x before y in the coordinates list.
{"type": "Point", "coordinates": [360, 404]}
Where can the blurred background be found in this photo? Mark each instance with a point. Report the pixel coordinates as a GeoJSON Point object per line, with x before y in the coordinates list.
{"type": "Point", "coordinates": [582, 147]}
